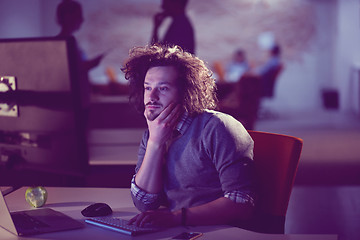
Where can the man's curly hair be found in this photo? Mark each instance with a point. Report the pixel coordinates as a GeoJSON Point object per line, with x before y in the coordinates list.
{"type": "Point", "coordinates": [195, 80]}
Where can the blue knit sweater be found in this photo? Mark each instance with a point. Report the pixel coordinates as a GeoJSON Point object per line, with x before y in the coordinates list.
{"type": "Point", "coordinates": [212, 155]}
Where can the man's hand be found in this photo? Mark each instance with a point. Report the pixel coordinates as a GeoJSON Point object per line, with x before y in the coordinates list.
{"type": "Point", "coordinates": [157, 218]}
{"type": "Point", "coordinates": [161, 127]}
{"type": "Point", "coordinates": [159, 18]}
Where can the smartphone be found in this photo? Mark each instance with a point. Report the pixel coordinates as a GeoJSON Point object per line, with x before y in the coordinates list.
{"type": "Point", "coordinates": [188, 235]}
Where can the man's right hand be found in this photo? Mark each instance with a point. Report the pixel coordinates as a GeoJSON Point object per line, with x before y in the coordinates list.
{"type": "Point", "coordinates": [161, 127]}
{"type": "Point", "coordinates": [159, 18]}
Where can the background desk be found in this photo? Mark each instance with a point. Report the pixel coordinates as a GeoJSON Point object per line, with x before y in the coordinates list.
{"type": "Point", "coordinates": [72, 200]}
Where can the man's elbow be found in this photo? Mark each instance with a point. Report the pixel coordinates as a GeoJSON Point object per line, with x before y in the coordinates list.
{"type": "Point", "coordinates": [143, 207]}
{"type": "Point", "coordinates": [243, 211]}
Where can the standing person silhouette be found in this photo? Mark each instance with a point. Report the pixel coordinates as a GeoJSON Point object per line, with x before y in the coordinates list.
{"type": "Point", "coordinates": [180, 31]}
{"type": "Point", "coordinates": [69, 16]}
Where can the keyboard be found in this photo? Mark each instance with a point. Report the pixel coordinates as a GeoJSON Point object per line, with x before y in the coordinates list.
{"type": "Point", "coordinates": [120, 225]}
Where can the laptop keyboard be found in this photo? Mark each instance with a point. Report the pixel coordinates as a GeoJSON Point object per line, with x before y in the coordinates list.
{"type": "Point", "coordinates": [25, 221]}
{"type": "Point", "coordinates": [120, 225]}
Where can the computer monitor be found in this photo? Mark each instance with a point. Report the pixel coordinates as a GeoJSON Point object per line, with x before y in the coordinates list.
{"type": "Point", "coordinates": [42, 123]}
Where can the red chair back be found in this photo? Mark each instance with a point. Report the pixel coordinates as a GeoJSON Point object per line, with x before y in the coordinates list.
{"type": "Point", "coordinates": [276, 158]}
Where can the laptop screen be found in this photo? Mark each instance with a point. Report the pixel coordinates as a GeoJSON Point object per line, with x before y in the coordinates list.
{"type": "Point", "coordinates": [5, 217]}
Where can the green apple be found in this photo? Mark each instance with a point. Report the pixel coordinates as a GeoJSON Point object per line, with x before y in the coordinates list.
{"type": "Point", "coordinates": [36, 196]}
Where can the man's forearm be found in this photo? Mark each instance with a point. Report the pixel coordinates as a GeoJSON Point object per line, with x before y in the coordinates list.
{"type": "Point", "coordinates": [149, 176]}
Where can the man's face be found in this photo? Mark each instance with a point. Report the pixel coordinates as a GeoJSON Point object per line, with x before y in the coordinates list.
{"type": "Point", "coordinates": [160, 89]}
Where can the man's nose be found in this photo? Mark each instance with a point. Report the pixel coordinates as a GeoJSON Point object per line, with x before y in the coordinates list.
{"type": "Point", "coordinates": [154, 94]}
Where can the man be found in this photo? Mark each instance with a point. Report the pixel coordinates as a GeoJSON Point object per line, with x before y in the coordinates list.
{"type": "Point", "coordinates": [195, 161]}
{"type": "Point", "coordinates": [180, 31]}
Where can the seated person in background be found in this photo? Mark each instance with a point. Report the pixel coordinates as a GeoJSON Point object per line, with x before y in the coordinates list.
{"type": "Point", "coordinates": [243, 99]}
{"type": "Point", "coordinates": [237, 67]}
{"type": "Point", "coordinates": [269, 71]}
{"type": "Point", "coordinates": [226, 79]}
{"type": "Point", "coordinates": [239, 93]}
{"type": "Point", "coordinates": [195, 161]}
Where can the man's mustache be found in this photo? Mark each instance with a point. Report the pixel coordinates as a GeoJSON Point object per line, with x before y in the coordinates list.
{"type": "Point", "coordinates": [153, 104]}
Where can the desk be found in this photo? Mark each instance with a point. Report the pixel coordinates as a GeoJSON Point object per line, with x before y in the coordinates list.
{"type": "Point", "coordinates": [72, 200]}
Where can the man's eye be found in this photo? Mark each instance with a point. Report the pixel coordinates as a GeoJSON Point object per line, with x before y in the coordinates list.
{"type": "Point", "coordinates": [147, 88]}
{"type": "Point", "coordinates": [164, 88]}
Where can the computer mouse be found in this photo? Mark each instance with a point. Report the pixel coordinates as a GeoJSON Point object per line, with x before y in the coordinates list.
{"type": "Point", "coordinates": [97, 210]}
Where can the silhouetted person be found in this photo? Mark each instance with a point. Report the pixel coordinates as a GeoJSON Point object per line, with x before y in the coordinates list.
{"type": "Point", "coordinates": [70, 18]}
{"type": "Point", "coordinates": [180, 31]}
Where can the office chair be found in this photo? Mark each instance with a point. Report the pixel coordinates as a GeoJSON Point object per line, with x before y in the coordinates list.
{"type": "Point", "coordinates": [269, 81]}
{"type": "Point", "coordinates": [276, 160]}
{"type": "Point", "coordinates": [242, 99]}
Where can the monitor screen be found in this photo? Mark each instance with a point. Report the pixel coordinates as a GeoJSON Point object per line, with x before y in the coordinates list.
{"type": "Point", "coordinates": [42, 128]}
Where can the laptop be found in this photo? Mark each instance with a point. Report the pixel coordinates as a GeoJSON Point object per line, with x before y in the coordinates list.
{"type": "Point", "coordinates": [36, 221]}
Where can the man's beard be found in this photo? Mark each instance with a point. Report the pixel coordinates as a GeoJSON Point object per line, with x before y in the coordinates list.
{"type": "Point", "coordinates": [151, 114]}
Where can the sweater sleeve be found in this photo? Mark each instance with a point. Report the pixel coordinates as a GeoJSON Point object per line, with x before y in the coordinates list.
{"type": "Point", "coordinates": [231, 149]}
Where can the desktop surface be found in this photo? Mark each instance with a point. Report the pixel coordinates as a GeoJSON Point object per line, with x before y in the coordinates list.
{"type": "Point", "coordinates": [71, 201]}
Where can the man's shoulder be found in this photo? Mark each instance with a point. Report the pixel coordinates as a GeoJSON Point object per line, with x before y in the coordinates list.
{"type": "Point", "coordinates": [216, 114]}
{"type": "Point", "coordinates": [216, 117]}
{"type": "Point", "coordinates": [222, 125]}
